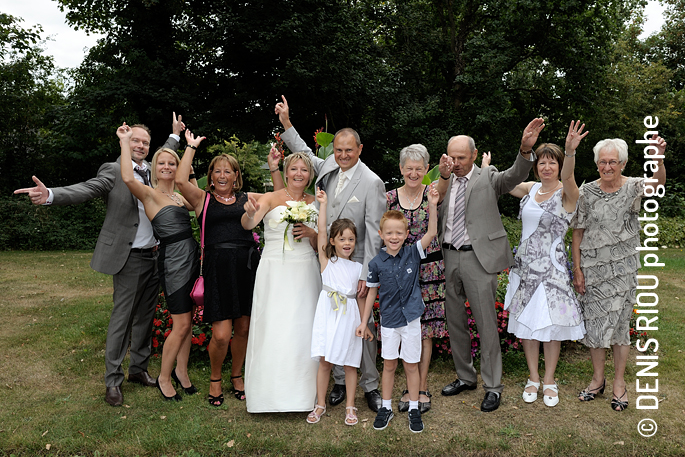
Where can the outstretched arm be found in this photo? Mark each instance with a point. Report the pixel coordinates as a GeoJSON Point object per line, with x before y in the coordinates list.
{"type": "Point", "coordinates": [291, 138]}
{"type": "Point", "coordinates": [255, 211]}
{"type": "Point", "coordinates": [433, 197]}
{"type": "Point", "coordinates": [190, 191]}
{"type": "Point", "coordinates": [573, 138]}
{"type": "Point", "coordinates": [38, 194]}
{"type": "Point", "coordinates": [137, 188]}
{"type": "Point", "coordinates": [322, 239]}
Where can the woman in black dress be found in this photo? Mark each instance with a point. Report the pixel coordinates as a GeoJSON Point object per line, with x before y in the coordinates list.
{"type": "Point", "coordinates": [229, 263]}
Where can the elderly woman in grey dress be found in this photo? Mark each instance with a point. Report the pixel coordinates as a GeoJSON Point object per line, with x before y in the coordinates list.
{"type": "Point", "coordinates": [606, 232]}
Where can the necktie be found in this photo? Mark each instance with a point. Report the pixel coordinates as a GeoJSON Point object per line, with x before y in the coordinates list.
{"type": "Point", "coordinates": [143, 174]}
{"type": "Point", "coordinates": [341, 183]}
{"type": "Point", "coordinates": [459, 221]}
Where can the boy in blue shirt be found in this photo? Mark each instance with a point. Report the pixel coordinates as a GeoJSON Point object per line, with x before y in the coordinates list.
{"type": "Point", "coordinates": [395, 270]}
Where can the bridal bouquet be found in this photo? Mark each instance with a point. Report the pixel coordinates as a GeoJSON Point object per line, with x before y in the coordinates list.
{"type": "Point", "coordinates": [295, 213]}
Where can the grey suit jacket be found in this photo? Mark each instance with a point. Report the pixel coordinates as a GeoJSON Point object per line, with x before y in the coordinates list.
{"type": "Point", "coordinates": [363, 199]}
{"type": "Point", "coordinates": [483, 221]}
{"type": "Point", "coordinates": [121, 221]}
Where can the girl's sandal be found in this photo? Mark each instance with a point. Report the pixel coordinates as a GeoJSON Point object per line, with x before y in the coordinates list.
{"type": "Point", "coordinates": [351, 416]}
{"type": "Point", "coordinates": [313, 418]}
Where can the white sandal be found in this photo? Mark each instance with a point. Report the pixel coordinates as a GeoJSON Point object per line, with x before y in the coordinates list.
{"type": "Point", "coordinates": [548, 399]}
{"type": "Point", "coordinates": [313, 418]}
{"type": "Point", "coordinates": [351, 417]}
{"type": "Point", "coordinates": [530, 397]}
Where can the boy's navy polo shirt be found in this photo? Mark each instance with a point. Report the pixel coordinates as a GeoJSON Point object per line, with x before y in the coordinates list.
{"type": "Point", "coordinates": [397, 279]}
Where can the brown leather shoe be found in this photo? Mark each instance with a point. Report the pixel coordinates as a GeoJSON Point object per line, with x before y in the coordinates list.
{"type": "Point", "coordinates": [143, 378]}
{"type": "Point", "coordinates": [113, 396]}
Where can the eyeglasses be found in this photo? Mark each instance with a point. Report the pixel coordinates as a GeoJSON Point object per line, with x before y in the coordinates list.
{"type": "Point", "coordinates": [611, 163]}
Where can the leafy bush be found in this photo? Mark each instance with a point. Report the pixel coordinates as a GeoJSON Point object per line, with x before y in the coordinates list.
{"type": "Point", "coordinates": [41, 228]}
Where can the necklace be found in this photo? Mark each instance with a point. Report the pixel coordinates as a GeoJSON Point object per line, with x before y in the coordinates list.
{"type": "Point", "coordinates": [293, 198]}
{"type": "Point", "coordinates": [411, 205]}
{"type": "Point", "coordinates": [175, 198]}
{"type": "Point", "coordinates": [225, 199]}
{"type": "Point", "coordinates": [545, 193]}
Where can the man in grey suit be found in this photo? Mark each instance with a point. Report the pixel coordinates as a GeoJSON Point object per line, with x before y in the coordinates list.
{"type": "Point", "coordinates": [356, 193]}
{"type": "Point", "coordinates": [475, 248]}
{"type": "Point", "coordinates": [126, 248]}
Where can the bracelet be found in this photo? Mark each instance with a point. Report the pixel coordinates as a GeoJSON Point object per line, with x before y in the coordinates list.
{"type": "Point", "coordinates": [446, 179]}
{"type": "Point", "coordinates": [570, 155]}
{"type": "Point", "coordinates": [191, 176]}
{"type": "Point", "coordinates": [577, 268]}
{"type": "Point", "coordinates": [191, 146]}
{"type": "Point", "coordinates": [274, 170]}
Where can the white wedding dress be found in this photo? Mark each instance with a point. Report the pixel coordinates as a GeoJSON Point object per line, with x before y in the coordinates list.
{"type": "Point", "coordinates": [280, 375]}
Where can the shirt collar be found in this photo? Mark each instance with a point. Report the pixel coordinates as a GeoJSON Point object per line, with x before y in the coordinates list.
{"type": "Point", "coordinates": [139, 167]}
{"type": "Point", "coordinates": [349, 173]}
{"type": "Point", "coordinates": [468, 175]}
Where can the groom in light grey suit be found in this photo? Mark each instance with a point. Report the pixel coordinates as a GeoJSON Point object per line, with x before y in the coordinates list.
{"type": "Point", "coordinates": [126, 248]}
{"type": "Point", "coordinates": [356, 193]}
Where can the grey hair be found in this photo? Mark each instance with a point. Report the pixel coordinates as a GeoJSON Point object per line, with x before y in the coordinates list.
{"type": "Point", "coordinates": [415, 152]}
{"type": "Point", "coordinates": [472, 144]}
{"type": "Point", "coordinates": [615, 144]}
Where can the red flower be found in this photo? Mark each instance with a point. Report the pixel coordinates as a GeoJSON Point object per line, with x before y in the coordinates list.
{"type": "Point", "coordinates": [155, 343]}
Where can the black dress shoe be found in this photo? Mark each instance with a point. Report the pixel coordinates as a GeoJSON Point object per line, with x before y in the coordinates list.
{"type": "Point", "coordinates": [456, 387]}
{"type": "Point", "coordinates": [490, 402]}
{"type": "Point", "coordinates": [374, 400]}
{"type": "Point", "coordinates": [143, 378]}
{"type": "Point", "coordinates": [174, 397]}
{"type": "Point", "coordinates": [113, 396]}
{"type": "Point", "coordinates": [337, 394]}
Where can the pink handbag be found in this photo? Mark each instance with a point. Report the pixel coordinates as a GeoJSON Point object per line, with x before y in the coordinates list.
{"type": "Point", "coordinates": [198, 292]}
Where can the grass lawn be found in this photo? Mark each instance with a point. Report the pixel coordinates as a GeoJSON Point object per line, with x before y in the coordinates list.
{"type": "Point", "coordinates": [55, 311]}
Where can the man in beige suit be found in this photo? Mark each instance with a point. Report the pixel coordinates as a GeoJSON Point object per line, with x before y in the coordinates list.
{"type": "Point", "coordinates": [475, 248]}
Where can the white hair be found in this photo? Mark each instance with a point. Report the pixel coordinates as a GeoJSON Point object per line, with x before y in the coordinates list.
{"type": "Point", "coordinates": [415, 152]}
{"type": "Point", "coordinates": [612, 144]}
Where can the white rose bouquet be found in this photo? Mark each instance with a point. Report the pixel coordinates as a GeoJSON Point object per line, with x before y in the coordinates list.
{"type": "Point", "coordinates": [295, 213]}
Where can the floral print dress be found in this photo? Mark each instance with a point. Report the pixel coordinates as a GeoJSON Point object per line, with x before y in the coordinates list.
{"type": "Point", "coordinates": [432, 275]}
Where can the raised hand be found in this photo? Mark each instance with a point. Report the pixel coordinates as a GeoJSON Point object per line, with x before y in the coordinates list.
{"type": "Point", "coordinates": [177, 125]}
{"type": "Point", "coordinates": [38, 194]}
{"type": "Point", "coordinates": [251, 206]}
{"type": "Point", "coordinates": [575, 135]}
{"type": "Point", "coordinates": [660, 145]}
{"type": "Point", "coordinates": [283, 111]}
{"type": "Point", "coordinates": [485, 161]}
{"type": "Point", "coordinates": [433, 196]}
{"type": "Point", "coordinates": [531, 133]}
{"type": "Point", "coordinates": [192, 140]}
{"type": "Point", "coordinates": [274, 158]}
{"type": "Point", "coordinates": [321, 197]}
{"type": "Point", "coordinates": [124, 132]}
{"type": "Point", "coordinates": [445, 165]}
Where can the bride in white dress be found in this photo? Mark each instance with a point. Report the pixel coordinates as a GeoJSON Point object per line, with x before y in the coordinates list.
{"type": "Point", "coordinates": [280, 375]}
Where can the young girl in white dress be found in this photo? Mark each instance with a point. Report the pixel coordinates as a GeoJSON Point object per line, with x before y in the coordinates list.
{"type": "Point", "coordinates": [337, 315]}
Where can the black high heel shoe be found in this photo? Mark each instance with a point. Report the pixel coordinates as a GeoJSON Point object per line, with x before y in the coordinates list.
{"type": "Point", "coordinates": [188, 390]}
{"type": "Point", "coordinates": [175, 397]}
{"type": "Point", "coordinates": [589, 394]}
{"type": "Point", "coordinates": [239, 394]}
{"type": "Point", "coordinates": [217, 400]}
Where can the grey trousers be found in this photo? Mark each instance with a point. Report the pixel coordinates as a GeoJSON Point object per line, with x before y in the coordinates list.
{"type": "Point", "coordinates": [370, 377]}
{"type": "Point", "coordinates": [136, 288]}
{"type": "Point", "coordinates": [465, 279]}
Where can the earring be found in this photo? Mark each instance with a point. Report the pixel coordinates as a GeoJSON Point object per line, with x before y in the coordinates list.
{"type": "Point", "coordinates": [211, 186]}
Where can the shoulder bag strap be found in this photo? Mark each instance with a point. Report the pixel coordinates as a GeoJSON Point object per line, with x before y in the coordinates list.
{"type": "Point", "coordinates": [202, 232]}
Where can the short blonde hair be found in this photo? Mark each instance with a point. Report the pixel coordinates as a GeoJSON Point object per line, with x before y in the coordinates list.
{"type": "Point", "coordinates": [155, 158]}
{"type": "Point", "coordinates": [294, 157]}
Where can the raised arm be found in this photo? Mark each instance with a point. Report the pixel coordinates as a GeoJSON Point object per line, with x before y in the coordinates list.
{"type": "Point", "coordinates": [445, 168]}
{"type": "Point", "coordinates": [322, 239]}
{"type": "Point", "coordinates": [573, 139]}
{"type": "Point", "coordinates": [255, 211]}
{"type": "Point", "coordinates": [433, 197]}
{"type": "Point", "coordinates": [189, 190]}
{"type": "Point", "coordinates": [137, 188]}
{"type": "Point", "coordinates": [291, 138]}
{"type": "Point", "coordinates": [273, 160]}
